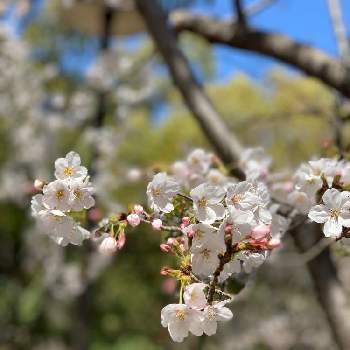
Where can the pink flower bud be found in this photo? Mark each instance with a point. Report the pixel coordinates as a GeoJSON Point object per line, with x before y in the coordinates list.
{"type": "Point", "coordinates": [261, 231]}
{"type": "Point", "coordinates": [138, 209]}
{"type": "Point", "coordinates": [228, 229]}
{"type": "Point", "coordinates": [108, 246]}
{"type": "Point", "coordinates": [157, 224]}
{"type": "Point", "coordinates": [39, 185]}
{"type": "Point", "coordinates": [274, 243]}
{"type": "Point", "coordinates": [121, 240]}
{"type": "Point", "coordinates": [190, 233]}
{"type": "Point", "coordinates": [165, 271]}
{"type": "Point", "coordinates": [171, 241]}
{"type": "Point", "coordinates": [186, 221]}
{"type": "Point", "coordinates": [165, 248]}
{"type": "Point", "coordinates": [133, 220]}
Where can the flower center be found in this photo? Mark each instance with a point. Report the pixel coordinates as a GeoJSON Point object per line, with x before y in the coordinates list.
{"type": "Point", "coordinates": [334, 213]}
{"type": "Point", "coordinates": [202, 203]}
{"type": "Point", "coordinates": [77, 194]}
{"type": "Point", "coordinates": [68, 171]}
{"type": "Point", "coordinates": [211, 314]}
{"type": "Point", "coordinates": [198, 234]}
{"type": "Point", "coordinates": [236, 198]}
{"type": "Point", "coordinates": [180, 314]}
{"type": "Point", "coordinates": [156, 191]}
{"type": "Point", "coordinates": [59, 194]}
{"type": "Point", "coordinates": [205, 253]}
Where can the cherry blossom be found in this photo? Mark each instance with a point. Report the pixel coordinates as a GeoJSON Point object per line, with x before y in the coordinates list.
{"type": "Point", "coordinates": [69, 167]}
{"type": "Point", "coordinates": [213, 314]}
{"type": "Point", "coordinates": [334, 213]}
{"type": "Point", "coordinates": [207, 203]}
{"type": "Point", "coordinates": [180, 320]}
{"type": "Point", "coordinates": [160, 191]}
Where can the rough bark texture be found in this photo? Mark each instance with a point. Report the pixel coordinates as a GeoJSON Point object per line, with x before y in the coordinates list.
{"type": "Point", "coordinates": [308, 59]}
{"type": "Point", "coordinates": [331, 295]}
{"type": "Point", "coordinates": [330, 292]}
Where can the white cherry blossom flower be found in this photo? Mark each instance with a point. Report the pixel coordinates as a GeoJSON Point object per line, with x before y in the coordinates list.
{"type": "Point", "coordinates": [255, 162]}
{"type": "Point", "coordinates": [57, 195]}
{"type": "Point", "coordinates": [232, 267]}
{"type": "Point", "coordinates": [326, 167]}
{"type": "Point", "coordinates": [308, 179]}
{"type": "Point", "coordinates": [161, 191]}
{"type": "Point", "coordinates": [240, 223]}
{"type": "Point", "coordinates": [180, 320]}
{"type": "Point", "coordinates": [334, 213]}
{"type": "Point", "coordinates": [76, 236]}
{"type": "Point", "coordinates": [213, 314]}
{"type": "Point", "coordinates": [252, 260]}
{"type": "Point", "coordinates": [205, 259]}
{"type": "Point", "coordinates": [69, 167]}
{"type": "Point", "coordinates": [241, 196]}
{"type": "Point", "coordinates": [194, 296]}
{"type": "Point", "coordinates": [81, 195]}
{"type": "Point", "coordinates": [205, 234]}
{"type": "Point", "coordinates": [199, 161]}
{"type": "Point", "coordinates": [216, 178]}
{"type": "Point", "coordinates": [301, 201]}
{"type": "Point", "coordinates": [207, 203]}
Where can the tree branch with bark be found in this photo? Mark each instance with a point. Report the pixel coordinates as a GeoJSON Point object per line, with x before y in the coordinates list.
{"type": "Point", "coordinates": [306, 58]}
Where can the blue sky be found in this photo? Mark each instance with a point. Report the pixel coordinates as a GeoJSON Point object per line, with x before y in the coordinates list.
{"type": "Point", "coordinates": [304, 20]}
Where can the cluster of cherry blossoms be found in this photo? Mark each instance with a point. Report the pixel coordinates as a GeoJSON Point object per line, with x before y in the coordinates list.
{"type": "Point", "coordinates": [218, 227]}
{"type": "Point", "coordinates": [321, 190]}
{"type": "Point", "coordinates": [60, 205]}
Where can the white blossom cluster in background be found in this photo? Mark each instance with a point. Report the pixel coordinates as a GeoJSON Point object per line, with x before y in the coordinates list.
{"type": "Point", "coordinates": [61, 200]}
{"type": "Point", "coordinates": [321, 191]}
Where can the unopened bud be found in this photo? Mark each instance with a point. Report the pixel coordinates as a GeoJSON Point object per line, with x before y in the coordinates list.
{"type": "Point", "coordinates": [186, 221]}
{"type": "Point", "coordinates": [157, 224]}
{"type": "Point", "coordinates": [133, 220]}
{"type": "Point", "coordinates": [274, 243]}
{"type": "Point", "coordinates": [171, 240]}
{"type": "Point", "coordinates": [39, 185]}
{"type": "Point", "coordinates": [138, 209]}
{"type": "Point", "coordinates": [190, 233]}
{"type": "Point", "coordinates": [228, 229]}
{"type": "Point", "coordinates": [121, 240]}
{"type": "Point", "coordinates": [165, 271]}
{"type": "Point", "coordinates": [108, 246]}
{"type": "Point", "coordinates": [165, 248]}
{"type": "Point", "coordinates": [261, 231]}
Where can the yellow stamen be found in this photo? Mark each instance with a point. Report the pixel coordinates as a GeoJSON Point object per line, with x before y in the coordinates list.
{"type": "Point", "coordinates": [68, 171]}
{"type": "Point", "coordinates": [180, 314]}
{"type": "Point", "coordinates": [202, 203]}
{"type": "Point", "coordinates": [59, 194]}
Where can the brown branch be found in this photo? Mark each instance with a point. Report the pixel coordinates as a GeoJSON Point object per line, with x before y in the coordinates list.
{"type": "Point", "coordinates": [308, 59]}
{"type": "Point", "coordinates": [330, 292]}
{"type": "Point", "coordinates": [241, 17]}
{"type": "Point", "coordinates": [225, 143]}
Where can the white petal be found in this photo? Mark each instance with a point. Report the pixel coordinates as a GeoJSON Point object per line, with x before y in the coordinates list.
{"type": "Point", "coordinates": [319, 214]}
{"type": "Point", "coordinates": [332, 228]}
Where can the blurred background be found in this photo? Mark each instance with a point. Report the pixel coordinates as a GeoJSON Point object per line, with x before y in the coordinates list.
{"type": "Point", "coordinates": [84, 76]}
